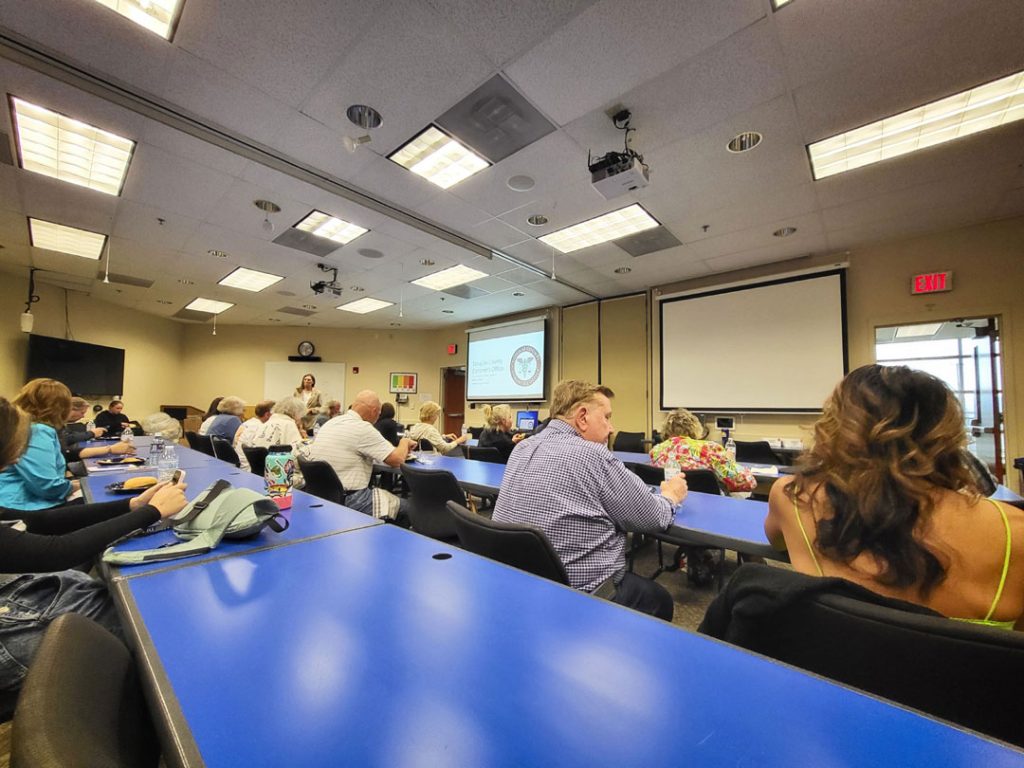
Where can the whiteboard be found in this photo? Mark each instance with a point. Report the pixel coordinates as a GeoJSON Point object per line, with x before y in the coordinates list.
{"type": "Point", "coordinates": [773, 347]}
{"type": "Point", "coordinates": [281, 379]}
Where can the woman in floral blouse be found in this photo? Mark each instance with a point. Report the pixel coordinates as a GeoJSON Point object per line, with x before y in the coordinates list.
{"type": "Point", "coordinates": [683, 432]}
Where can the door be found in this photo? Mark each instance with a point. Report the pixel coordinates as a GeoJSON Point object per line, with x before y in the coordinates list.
{"type": "Point", "coordinates": [453, 388]}
{"type": "Point", "coordinates": [986, 425]}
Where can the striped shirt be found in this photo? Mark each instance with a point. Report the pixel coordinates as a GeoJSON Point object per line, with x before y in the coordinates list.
{"type": "Point", "coordinates": [351, 446]}
{"type": "Point", "coordinates": [583, 498]}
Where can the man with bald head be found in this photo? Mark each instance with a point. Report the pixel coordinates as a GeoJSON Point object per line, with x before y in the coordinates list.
{"type": "Point", "coordinates": [351, 444]}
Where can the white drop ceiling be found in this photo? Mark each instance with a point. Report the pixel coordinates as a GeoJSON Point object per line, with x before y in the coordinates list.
{"type": "Point", "coordinates": [694, 74]}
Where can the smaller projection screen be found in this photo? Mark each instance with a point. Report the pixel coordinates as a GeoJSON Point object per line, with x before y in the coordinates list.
{"type": "Point", "coordinates": [777, 346]}
{"type": "Point", "coordinates": [506, 363]}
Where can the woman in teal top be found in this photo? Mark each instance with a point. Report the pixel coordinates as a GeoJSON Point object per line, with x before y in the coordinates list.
{"type": "Point", "coordinates": [37, 479]}
{"type": "Point", "coordinates": [885, 499]}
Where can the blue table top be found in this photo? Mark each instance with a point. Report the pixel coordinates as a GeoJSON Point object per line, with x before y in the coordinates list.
{"type": "Point", "coordinates": [722, 521]}
{"type": "Point", "coordinates": [475, 476]}
{"type": "Point", "coordinates": [308, 517]}
{"type": "Point", "coordinates": [187, 459]}
{"type": "Point", "coordinates": [325, 654]}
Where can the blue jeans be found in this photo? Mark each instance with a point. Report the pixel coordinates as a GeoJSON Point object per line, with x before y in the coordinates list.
{"type": "Point", "coordinates": [28, 605]}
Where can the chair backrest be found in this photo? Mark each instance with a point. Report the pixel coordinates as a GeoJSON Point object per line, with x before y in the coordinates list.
{"type": "Point", "coordinates": [489, 453]}
{"type": "Point", "coordinates": [649, 474]}
{"type": "Point", "coordinates": [426, 445]}
{"type": "Point", "coordinates": [629, 441]}
{"type": "Point", "coordinates": [430, 490]}
{"type": "Point", "coordinates": [224, 451]}
{"type": "Point", "coordinates": [257, 458]}
{"type": "Point", "coordinates": [201, 443]}
{"type": "Point", "coordinates": [757, 452]}
{"type": "Point", "coordinates": [702, 480]}
{"type": "Point", "coordinates": [517, 545]}
{"type": "Point", "coordinates": [322, 480]}
{"type": "Point", "coordinates": [82, 703]}
{"type": "Point", "coordinates": [960, 672]}
{"type": "Point", "coordinates": [476, 432]}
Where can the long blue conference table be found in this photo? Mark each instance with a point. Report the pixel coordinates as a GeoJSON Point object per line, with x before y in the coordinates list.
{"type": "Point", "coordinates": [379, 647]}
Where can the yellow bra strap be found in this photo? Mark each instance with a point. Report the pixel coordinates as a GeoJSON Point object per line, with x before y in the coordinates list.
{"type": "Point", "coordinates": [810, 549]}
{"type": "Point", "coordinates": [1006, 560]}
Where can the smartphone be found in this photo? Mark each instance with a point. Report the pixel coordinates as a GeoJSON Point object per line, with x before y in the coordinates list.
{"type": "Point", "coordinates": [178, 476]}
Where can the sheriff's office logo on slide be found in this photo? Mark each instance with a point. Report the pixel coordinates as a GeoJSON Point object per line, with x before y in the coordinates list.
{"type": "Point", "coordinates": [525, 365]}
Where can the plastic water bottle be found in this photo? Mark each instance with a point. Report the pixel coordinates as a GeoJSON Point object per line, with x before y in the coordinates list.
{"type": "Point", "coordinates": [127, 436]}
{"type": "Point", "coordinates": [730, 448]}
{"type": "Point", "coordinates": [672, 469]}
{"type": "Point", "coordinates": [167, 463]}
{"type": "Point", "coordinates": [90, 425]}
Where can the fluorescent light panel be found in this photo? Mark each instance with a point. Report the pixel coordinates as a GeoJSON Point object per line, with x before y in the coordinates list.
{"type": "Point", "coordinates": [209, 305]}
{"type": "Point", "coordinates": [448, 278]}
{"type": "Point", "coordinates": [250, 279]}
{"type": "Point", "coordinates": [63, 148]}
{"type": "Point", "coordinates": [602, 229]}
{"type": "Point", "coordinates": [57, 237]}
{"type": "Point", "coordinates": [978, 109]}
{"type": "Point", "coordinates": [776, 4]}
{"type": "Point", "coordinates": [917, 331]}
{"type": "Point", "coordinates": [330, 227]}
{"type": "Point", "coordinates": [362, 306]}
{"type": "Point", "coordinates": [438, 158]}
{"type": "Point", "coordinates": [158, 16]}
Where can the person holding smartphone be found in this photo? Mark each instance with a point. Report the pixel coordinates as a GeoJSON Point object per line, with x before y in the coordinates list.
{"type": "Point", "coordinates": [37, 583]}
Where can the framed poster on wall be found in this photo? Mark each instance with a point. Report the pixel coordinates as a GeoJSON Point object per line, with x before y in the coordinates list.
{"type": "Point", "coordinates": [403, 383]}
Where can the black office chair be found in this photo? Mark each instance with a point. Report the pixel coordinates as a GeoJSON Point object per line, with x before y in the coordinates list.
{"type": "Point", "coordinates": [257, 458]}
{"type": "Point", "coordinates": [82, 703]}
{"type": "Point", "coordinates": [489, 454]}
{"type": "Point", "coordinates": [429, 491]}
{"type": "Point", "coordinates": [476, 432]}
{"type": "Point", "coordinates": [960, 672]}
{"type": "Point", "coordinates": [701, 564]}
{"type": "Point", "coordinates": [756, 452]}
{"type": "Point", "coordinates": [649, 474]}
{"type": "Point", "coordinates": [629, 441]}
{"type": "Point", "coordinates": [322, 480]}
{"type": "Point", "coordinates": [426, 445]}
{"type": "Point", "coordinates": [655, 436]}
{"type": "Point", "coordinates": [224, 451]}
{"type": "Point", "coordinates": [201, 443]}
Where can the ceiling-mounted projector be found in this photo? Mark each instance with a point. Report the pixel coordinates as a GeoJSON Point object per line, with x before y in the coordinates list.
{"type": "Point", "coordinates": [616, 173]}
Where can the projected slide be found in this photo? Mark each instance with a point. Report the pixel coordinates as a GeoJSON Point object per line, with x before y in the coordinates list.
{"type": "Point", "coordinates": [507, 363]}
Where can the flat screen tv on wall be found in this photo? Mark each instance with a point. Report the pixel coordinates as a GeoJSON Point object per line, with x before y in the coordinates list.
{"type": "Point", "coordinates": [87, 369]}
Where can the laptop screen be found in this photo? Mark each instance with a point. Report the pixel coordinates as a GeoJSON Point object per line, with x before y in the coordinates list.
{"type": "Point", "coordinates": [526, 420]}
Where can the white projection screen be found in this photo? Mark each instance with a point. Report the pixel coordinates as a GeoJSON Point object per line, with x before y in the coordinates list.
{"type": "Point", "coordinates": [778, 346]}
{"type": "Point", "coordinates": [507, 362]}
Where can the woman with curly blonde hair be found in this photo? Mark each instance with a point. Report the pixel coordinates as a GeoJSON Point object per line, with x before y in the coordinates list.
{"type": "Point", "coordinates": [685, 444]}
{"type": "Point", "coordinates": [885, 499]}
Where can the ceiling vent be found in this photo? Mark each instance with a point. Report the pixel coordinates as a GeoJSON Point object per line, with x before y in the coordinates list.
{"type": "Point", "coordinates": [114, 277]}
{"type": "Point", "coordinates": [297, 311]}
{"type": "Point", "coordinates": [495, 120]}
{"type": "Point", "coordinates": [306, 242]}
{"type": "Point", "coordinates": [648, 241]}
{"type": "Point", "coordinates": [465, 292]}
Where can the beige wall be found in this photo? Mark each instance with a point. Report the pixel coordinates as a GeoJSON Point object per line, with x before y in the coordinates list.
{"type": "Point", "coordinates": [625, 366]}
{"type": "Point", "coordinates": [581, 340]}
{"type": "Point", "coordinates": [152, 345]}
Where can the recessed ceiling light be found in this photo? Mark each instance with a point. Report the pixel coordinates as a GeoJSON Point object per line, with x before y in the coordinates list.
{"type": "Point", "coordinates": [601, 229]}
{"type": "Point", "coordinates": [163, 301]}
{"type": "Point", "coordinates": [250, 279]}
{"type": "Point", "coordinates": [427, 262]}
{"type": "Point", "coordinates": [209, 305]}
{"type": "Point", "coordinates": [363, 116]}
{"type": "Point", "coordinates": [537, 220]}
{"type": "Point", "coordinates": [370, 253]}
{"type": "Point", "coordinates": [985, 106]}
{"type": "Point", "coordinates": [623, 270]}
{"type": "Point", "coordinates": [744, 142]}
{"type": "Point", "coordinates": [784, 232]}
{"type": "Point", "coordinates": [356, 288]}
{"type": "Point", "coordinates": [518, 293]}
{"type": "Point", "coordinates": [267, 206]}
{"type": "Point", "coordinates": [186, 281]}
{"type": "Point", "coordinates": [448, 278]}
{"type": "Point", "coordinates": [395, 325]}
{"type": "Point", "coordinates": [160, 16]}
{"type": "Point", "coordinates": [448, 311]}
{"type": "Point", "coordinates": [362, 306]}
{"type": "Point", "coordinates": [218, 254]}
{"type": "Point", "coordinates": [67, 149]}
{"type": "Point", "coordinates": [57, 237]}
{"type": "Point", "coordinates": [915, 331]}
{"type": "Point", "coordinates": [438, 158]}
{"type": "Point", "coordinates": [330, 227]}
{"type": "Point", "coordinates": [273, 319]}
{"type": "Point", "coordinates": [520, 183]}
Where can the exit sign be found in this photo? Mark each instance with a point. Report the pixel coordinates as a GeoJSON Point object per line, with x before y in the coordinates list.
{"type": "Point", "coordinates": [453, 349]}
{"type": "Point", "coordinates": [931, 282]}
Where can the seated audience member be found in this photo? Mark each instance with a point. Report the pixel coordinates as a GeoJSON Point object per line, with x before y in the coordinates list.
{"type": "Point", "coordinates": [245, 434]}
{"type": "Point", "coordinates": [210, 415]}
{"type": "Point", "coordinates": [76, 432]}
{"type": "Point", "coordinates": [333, 409]}
{"type": "Point", "coordinates": [70, 441]}
{"type": "Point", "coordinates": [228, 419]}
{"type": "Point", "coordinates": [426, 429]}
{"type": "Point", "coordinates": [283, 426]}
{"type": "Point", "coordinates": [387, 425]}
{"type": "Point", "coordinates": [566, 482]}
{"type": "Point", "coordinates": [162, 425]}
{"type": "Point", "coordinates": [885, 500]}
{"type": "Point", "coordinates": [37, 584]}
{"type": "Point", "coordinates": [37, 479]}
{"type": "Point", "coordinates": [311, 399]}
{"type": "Point", "coordinates": [351, 445]}
{"type": "Point", "coordinates": [114, 420]}
{"type": "Point", "coordinates": [498, 430]}
{"type": "Point", "coordinates": [685, 445]}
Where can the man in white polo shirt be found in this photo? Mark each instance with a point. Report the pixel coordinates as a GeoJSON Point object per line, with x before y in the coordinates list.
{"type": "Point", "coordinates": [351, 444]}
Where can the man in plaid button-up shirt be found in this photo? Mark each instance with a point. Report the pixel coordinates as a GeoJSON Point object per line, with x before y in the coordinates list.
{"type": "Point", "coordinates": [566, 482]}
